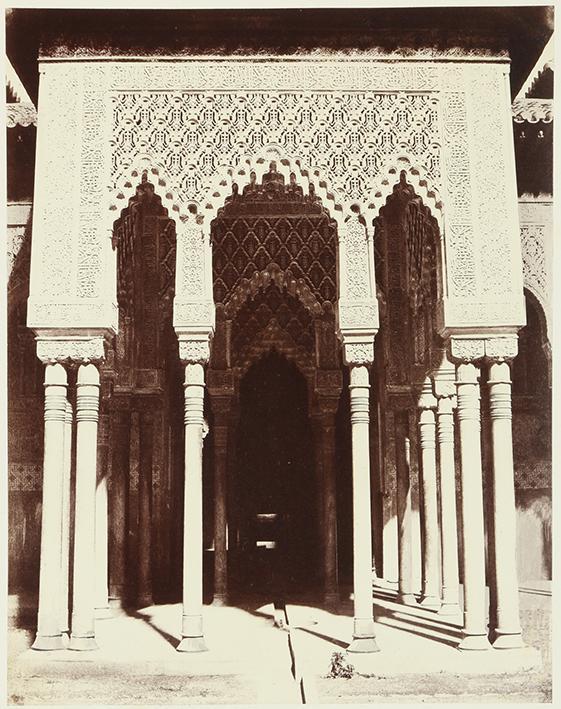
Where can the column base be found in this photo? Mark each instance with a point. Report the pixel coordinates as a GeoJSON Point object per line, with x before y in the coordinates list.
{"type": "Point", "coordinates": [192, 645]}
{"type": "Point", "coordinates": [474, 642]}
{"type": "Point", "coordinates": [408, 599]}
{"type": "Point", "coordinates": [450, 609]}
{"type": "Point", "coordinates": [220, 599]}
{"type": "Point", "coordinates": [103, 613]}
{"type": "Point", "coordinates": [363, 645]}
{"type": "Point", "coordinates": [82, 643]}
{"type": "Point", "coordinates": [48, 642]}
{"type": "Point", "coordinates": [364, 636]}
{"type": "Point", "coordinates": [432, 602]}
{"type": "Point", "coordinates": [506, 641]}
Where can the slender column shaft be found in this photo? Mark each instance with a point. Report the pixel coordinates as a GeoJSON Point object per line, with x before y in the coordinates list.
{"type": "Point", "coordinates": [475, 630]}
{"type": "Point", "coordinates": [192, 624]}
{"type": "Point", "coordinates": [363, 635]}
{"type": "Point", "coordinates": [320, 493]}
{"type": "Point", "coordinates": [449, 536]}
{"type": "Point", "coordinates": [403, 461]}
{"type": "Point", "coordinates": [146, 447]}
{"type": "Point", "coordinates": [87, 413]}
{"type": "Point", "coordinates": [427, 441]}
{"type": "Point", "coordinates": [101, 533]}
{"type": "Point", "coordinates": [65, 541]}
{"type": "Point", "coordinates": [118, 506]}
{"type": "Point", "coordinates": [508, 631]}
{"type": "Point", "coordinates": [220, 506]}
{"type": "Point", "coordinates": [49, 635]}
{"type": "Point", "coordinates": [326, 444]}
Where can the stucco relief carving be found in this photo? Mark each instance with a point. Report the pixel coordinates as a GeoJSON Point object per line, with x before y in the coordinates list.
{"type": "Point", "coordinates": [75, 350]}
{"type": "Point", "coordinates": [194, 351]}
{"type": "Point", "coordinates": [358, 353]}
{"type": "Point", "coordinates": [536, 236]}
{"type": "Point", "coordinates": [346, 117]}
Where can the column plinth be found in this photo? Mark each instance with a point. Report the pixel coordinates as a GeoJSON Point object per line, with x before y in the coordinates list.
{"type": "Point", "coordinates": [192, 622]}
{"type": "Point", "coordinates": [87, 414]}
{"type": "Point", "coordinates": [473, 536]}
{"type": "Point", "coordinates": [508, 634]}
{"type": "Point", "coordinates": [363, 634]}
{"type": "Point", "coordinates": [49, 635]}
{"type": "Point", "coordinates": [427, 440]}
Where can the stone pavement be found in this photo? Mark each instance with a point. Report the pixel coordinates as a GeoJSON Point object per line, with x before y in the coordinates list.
{"type": "Point", "coordinates": [251, 661]}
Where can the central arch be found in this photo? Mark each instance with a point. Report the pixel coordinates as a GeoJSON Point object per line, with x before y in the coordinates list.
{"type": "Point", "coordinates": [275, 288]}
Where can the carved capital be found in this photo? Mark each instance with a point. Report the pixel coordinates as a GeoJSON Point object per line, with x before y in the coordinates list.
{"type": "Point", "coordinates": [463, 349]}
{"type": "Point", "coordinates": [73, 349]}
{"type": "Point", "coordinates": [427, 400]}
{"type": "Point", "coordinates": [194, 351]}
{"type": "Point", "coordinates": [500, 349]}
{"type": "Point", "coordinates": [443, 375]}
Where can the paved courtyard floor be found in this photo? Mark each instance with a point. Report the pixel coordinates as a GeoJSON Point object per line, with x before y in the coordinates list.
{"type": "Point", "coordinates": [251, 660]}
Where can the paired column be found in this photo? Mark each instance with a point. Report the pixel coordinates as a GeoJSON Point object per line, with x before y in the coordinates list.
{"type": "Point", "coordinates": [49, 636]}
{"type": "Point", "coordinates": [87, 413]}
{"type": "Point", "coordinates": [473, 537]}
{"type": "Point", "coordinates": [65, 533]}
{"type": "Point", "coordinates": [427, 441]}
{"type": "Point", "coordinates": [221, 409]}
{"type": "Point", "coordinates": [444, 390]}
{"type": "Point", "coordinates": [101, 533]}
{"type": "Point", "coordinates": [363, 635]}
{"type": "Point", "coordinates": [404, 507]}
{"type": "Point", "coordinates": [508, 633]}
{"type": "Point", "coordinates": [192, 622]}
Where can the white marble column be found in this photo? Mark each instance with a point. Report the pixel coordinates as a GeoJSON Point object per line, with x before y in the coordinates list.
{"type": "Point", "coordinates": [473, 536]}
{"type": "Point", "coordinates": [101, 549]}
{"type": "Point", "coordinates": [448, 512]}
{"type": "Point", "coordinates": [49, 635]}
{"type": "Point", "coordinates": [65, 550]}
{"type": "Point", "coordinates": [192, 622]}
{"type": "Point", "coordinates": [87, 414]}
{"type": "Point", "coordinates": [508, 633]}
{"type": "Point", "coordinates": [427, 443]}
{"type": "Point", "coordinates": [363, 635]}
{"type": "Point", "coordinates": [404, 511]}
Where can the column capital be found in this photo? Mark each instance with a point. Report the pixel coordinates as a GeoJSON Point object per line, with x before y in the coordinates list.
{"type": "Point", "coordinates": [358, 346]}
{"type": "Point", "coordinates": [70, 349]}
{"type": "Point", "coordinates": [194, 351]}
{"type": "Point", "coordinates": [501, 349]}
{"type": "Point", "coordinates": [467, 349]}
{"type": "Point", "coordinates": [443, 375]}
{"type": "Point", "coordinates": [426, 399]}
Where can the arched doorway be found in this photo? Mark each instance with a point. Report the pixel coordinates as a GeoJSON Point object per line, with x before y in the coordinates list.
{"type": "Point", "coordinates": [274, 480]}
{"type": "Point", "coordinates": [274, 382]}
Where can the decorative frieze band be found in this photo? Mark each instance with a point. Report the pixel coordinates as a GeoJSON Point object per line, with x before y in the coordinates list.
{"type": "Point", "coordinates": [73, 349]}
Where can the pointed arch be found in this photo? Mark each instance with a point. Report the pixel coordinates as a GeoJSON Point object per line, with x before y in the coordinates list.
{"type": "Point", "coordinates": [309, 178]}
{"type": "Point", "coordinates": [384, 184]}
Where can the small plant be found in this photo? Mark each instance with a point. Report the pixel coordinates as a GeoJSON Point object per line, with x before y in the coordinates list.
{"type": "Point", "coordinates": [340, 667]}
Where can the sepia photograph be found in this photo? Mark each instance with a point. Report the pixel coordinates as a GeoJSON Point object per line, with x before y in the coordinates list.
{"type": "Point", "coordinates": [278, 348]}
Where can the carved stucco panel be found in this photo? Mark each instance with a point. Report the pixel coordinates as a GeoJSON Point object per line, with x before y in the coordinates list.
{"type": "Point", "coordinates": [347, 117]}
{"type": "Point", "coordinates": [536, 236]}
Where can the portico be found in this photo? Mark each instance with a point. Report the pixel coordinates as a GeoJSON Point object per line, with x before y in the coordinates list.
{"type": "Point", "coordinates": [353, 241]}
